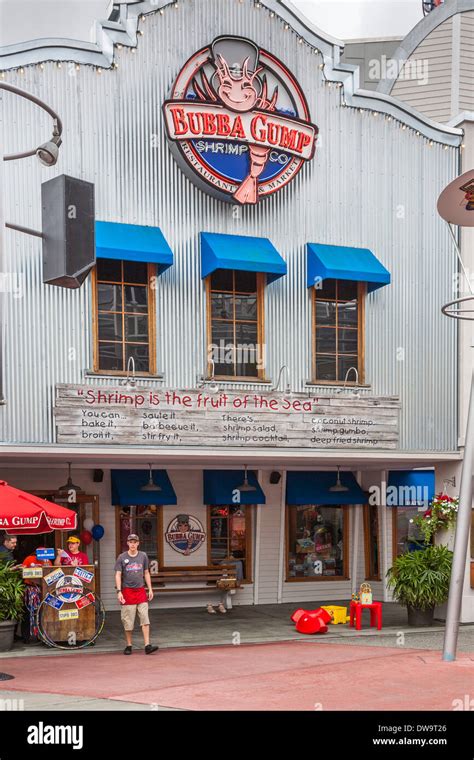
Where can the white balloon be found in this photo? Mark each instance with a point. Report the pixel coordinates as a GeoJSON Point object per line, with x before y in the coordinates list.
{"type": "Point", "coordinates": [88, 524]}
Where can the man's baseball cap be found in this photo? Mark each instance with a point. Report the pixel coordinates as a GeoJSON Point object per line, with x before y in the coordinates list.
{"type": "Point", "coordinates": [73, 540]}
{"type": "Point", "coordinates": [133, 537]}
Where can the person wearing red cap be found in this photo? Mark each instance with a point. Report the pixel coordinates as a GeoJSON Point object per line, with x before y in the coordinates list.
{"type": "Point", "coordinates": [72, 556]}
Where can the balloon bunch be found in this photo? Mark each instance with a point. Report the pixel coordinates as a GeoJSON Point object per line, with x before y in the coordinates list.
{"type": "Point", "coordinates": [91, 532]}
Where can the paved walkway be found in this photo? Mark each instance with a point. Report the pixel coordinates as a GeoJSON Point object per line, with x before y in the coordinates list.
{"type": "Point", "coordinates": [247, 624]}
{"type": "Point", "coordinates": [295, 675]}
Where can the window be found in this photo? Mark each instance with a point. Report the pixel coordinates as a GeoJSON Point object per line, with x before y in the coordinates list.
{"type": "Point", "coordinates": [230, 530]}
{"type": "Point", "coordinates": [338, 336]}
{"type": "Point", "coordinates": [407, 537]}
{"type": "Point", "coordinates": [235, 323]}
{"type": "Point", "coordinates": [317, 537]}
{"type": "Point", "coordinates": [124, 321]}
{"type": "Point", "coordinates": [144, 522]}
{"type": "Point", "coordinates": [371, 534]}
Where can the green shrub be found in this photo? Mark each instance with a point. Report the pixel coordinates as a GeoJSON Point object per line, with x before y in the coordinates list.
{"type": "Point", "coordinates": [421, 579]}
{"type": "Point", "coordinates": [11, 593]}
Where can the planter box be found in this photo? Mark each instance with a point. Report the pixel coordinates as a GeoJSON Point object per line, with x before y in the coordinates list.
{"type": "Point", "coordinates": [7, 630]}
{"type": "Point", "coordinates": [420, 618]}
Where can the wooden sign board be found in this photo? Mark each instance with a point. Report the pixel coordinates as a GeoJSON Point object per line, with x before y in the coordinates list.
{"type": "Point", "coordinates": [87, 414]}
{"type": "Point", "coordinates": [69, 620]}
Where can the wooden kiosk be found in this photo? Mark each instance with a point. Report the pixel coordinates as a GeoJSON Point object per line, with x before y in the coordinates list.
{"type": "Point", "coordinates": [68, 592]}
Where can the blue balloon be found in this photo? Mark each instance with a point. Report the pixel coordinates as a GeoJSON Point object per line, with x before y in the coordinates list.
{"type": "Point", "coordinates": [97, 532]}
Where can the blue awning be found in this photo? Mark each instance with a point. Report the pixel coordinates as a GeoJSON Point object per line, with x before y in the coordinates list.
{"type": "Point", "coordinates": [131, 242]}
{"type": "Point", "coordinates": [126, 485]}
{"type": "Point", "coordinates": [313, 488]}
{"type": "Point", "coordinates": [219, 487]}
{"type": "Point", "coordinates": [336, 262]}
{"type": "Point", "coordinates": [249, 254]}
{"type": "Point", "coordinates": [410, 488]}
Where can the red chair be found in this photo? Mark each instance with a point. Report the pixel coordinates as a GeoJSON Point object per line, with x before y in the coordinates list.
{"type": "Point", "coordinates": [375, 615]}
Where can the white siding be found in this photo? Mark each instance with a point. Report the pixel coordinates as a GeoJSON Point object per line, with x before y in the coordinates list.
{"type": "Point", "coordinates": [435, 53]}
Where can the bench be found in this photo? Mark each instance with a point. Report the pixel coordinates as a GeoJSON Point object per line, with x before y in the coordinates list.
{"type": "Point", "coordinates": [178, 580]}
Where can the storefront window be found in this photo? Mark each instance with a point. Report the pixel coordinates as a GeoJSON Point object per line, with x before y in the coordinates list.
{"type": "Point", "coordinates": [406, 535]}
{"type": "Point", "coordinates": [230, 533]}
{"type": "Point", "coordinates": [124, 323]}
{"type": "Point", "coordinates": [338, 330]}
{"type": "Point", "coordinates": [144, 522]}
{"type": "Point", "coordinates": [316, 542]}
{"type": "Point", "coordinates": [235, 324]}
{"type": "Point", "coordinates": [371, 532]}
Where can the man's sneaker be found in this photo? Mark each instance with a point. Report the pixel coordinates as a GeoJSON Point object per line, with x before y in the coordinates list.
{"type": "Point", "coordinates": [127, 650]}
{"type": "Point", "coordinates": [149, 649]}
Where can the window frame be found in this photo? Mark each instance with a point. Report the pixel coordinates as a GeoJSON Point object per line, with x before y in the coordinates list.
{"type": "Point", "coordinates": [369, 576]}
{"type": "Point", "coordinates": [159, 532]}
{"type": "Point", "coordinates": [260, 292]}
{"type": "Point", "coordinates": [361, 298]}
{"type": "Point", "coordinates": [345, 551]}
{"type": "Point", "coordinates": [248, 578]}
{"type": "Point", "coordinates": [151, 313]}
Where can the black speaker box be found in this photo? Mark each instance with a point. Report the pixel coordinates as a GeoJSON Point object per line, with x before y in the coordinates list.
{"type": "Point", "coordinates": [68, 225]}
{"type": "Point", "coordinates": [275, 477]}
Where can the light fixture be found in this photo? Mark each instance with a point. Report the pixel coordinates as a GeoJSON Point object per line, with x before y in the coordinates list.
{"type": "Point", "coordinates": [246, 485]}
{"type": "Point", "coordinates": [150, 486]}
{"type": "Point", "coordinates": [211, 382]}
{"type": "Point", "coordinates": [288, 380]}
{"type": "Point", "coordinates": [338, 487]}
{"type": "Point", "coordinates": [70, 486]}
{"type": "Point", "coordinates": [449, 481]}
{"type": "Point", "coordinates": [48, 152]}
{"type": "Point", "coordinates": [130, 381]}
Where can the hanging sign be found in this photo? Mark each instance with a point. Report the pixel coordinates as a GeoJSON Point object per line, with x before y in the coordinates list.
{"type": "Point", "coordinates": [53, 601]}
{"type": "Point", "coordinates": [32, 572]}
{"type": "Point", "coordinates": [53, 577]}
{"type": "Point", "coordinates": [456, 202]}
{"type": "Point", "coordinates": [185, 534]}
{"type": "Point", "coordinates": [84, 575]}
{"type": "Point", "coordinates": [238, 122]}
{"type": "Point", "coordinates": [68, 614]}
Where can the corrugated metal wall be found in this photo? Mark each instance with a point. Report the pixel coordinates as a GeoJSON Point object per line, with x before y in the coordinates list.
{"type": "Point", "coordinates": [372, 184]}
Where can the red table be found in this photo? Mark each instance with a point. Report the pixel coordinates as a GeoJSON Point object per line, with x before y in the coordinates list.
{"type": "Point", "coordinates": [375, 614]}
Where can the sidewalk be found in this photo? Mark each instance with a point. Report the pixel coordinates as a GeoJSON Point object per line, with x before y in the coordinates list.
{"type": "Point", "coordinates": [296, 675]}
{"type": "Point", "coordinates": [194, 627]}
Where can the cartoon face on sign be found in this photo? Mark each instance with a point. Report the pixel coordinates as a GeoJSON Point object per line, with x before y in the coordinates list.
{"type": "Point", "coordinates": [185, 534]}
{"type": "Point", "coordinates": [238, 122]}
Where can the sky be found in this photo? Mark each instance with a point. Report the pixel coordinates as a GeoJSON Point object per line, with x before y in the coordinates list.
{"type": "Point", "coordinates": [345, 19]}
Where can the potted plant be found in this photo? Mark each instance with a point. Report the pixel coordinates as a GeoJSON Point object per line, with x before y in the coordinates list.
{"type": "Point", "coordinates": [439, 520]}
{"type": "Point", "coordinates": [420, 580]}
{"type": "Point", "coordinates": [11, 604]}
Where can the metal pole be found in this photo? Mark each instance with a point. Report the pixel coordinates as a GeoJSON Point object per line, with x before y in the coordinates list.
{"type": "Point", "coordinates": [461, 539]}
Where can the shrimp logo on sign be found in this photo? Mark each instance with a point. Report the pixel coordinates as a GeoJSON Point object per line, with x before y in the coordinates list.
{"type": "Point", "coordinates": [238, 122]}
{"type": "Point", "coordinates": [185, 534]}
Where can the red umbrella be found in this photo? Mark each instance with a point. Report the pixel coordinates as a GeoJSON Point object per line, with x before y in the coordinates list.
{"type": "Point", "coordinates": [22, 513]}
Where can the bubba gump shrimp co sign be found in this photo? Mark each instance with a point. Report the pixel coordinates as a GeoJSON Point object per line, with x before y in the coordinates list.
{"type": "Point", "coordinates": [238, 121]}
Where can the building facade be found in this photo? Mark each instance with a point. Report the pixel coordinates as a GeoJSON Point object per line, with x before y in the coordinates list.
{"type": "Point", "coordinates": [248, 264]}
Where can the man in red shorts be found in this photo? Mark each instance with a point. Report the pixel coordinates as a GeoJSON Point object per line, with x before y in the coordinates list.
{"type": "Point", "coordinates": [131, 574]}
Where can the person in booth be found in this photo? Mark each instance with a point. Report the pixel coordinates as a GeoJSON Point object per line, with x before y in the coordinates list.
{"type": "Point", "coordinates": [72, 555]}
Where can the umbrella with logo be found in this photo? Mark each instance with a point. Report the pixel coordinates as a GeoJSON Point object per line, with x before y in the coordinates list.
{"type": "Point", "coordinates": [21, 513]}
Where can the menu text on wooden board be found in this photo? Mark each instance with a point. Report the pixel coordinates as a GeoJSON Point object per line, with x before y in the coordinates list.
{"type": "Point", "coordinates": [89, 415]}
